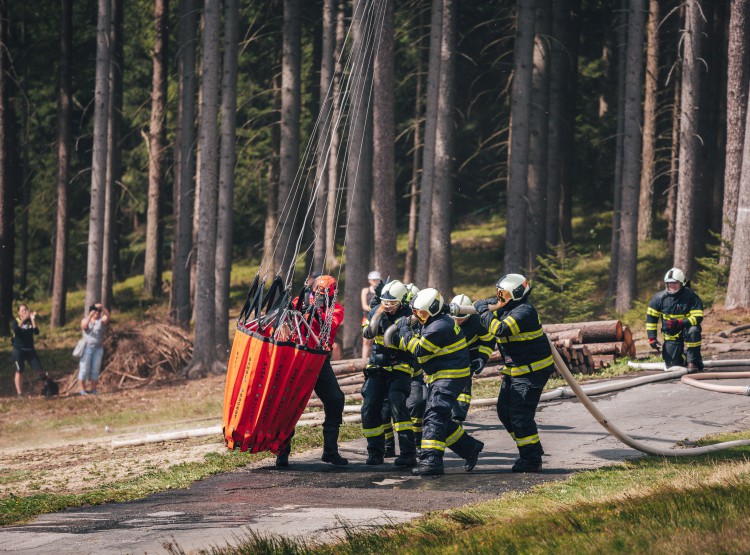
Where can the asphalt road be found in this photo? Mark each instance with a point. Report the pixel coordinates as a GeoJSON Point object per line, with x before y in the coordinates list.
{"type": "Point", "coordinates": [316, 501]}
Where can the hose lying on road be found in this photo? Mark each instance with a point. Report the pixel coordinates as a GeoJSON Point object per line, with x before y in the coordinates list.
{"type": "Point", "coordinates": [737, 363]}
{"type": "Point", "coordinates": [695, 381]}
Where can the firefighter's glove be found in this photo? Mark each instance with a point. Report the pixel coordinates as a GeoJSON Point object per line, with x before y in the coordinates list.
{"type": "Point", "coordinates": [654, 344]}
{"type": "Point", "coordinates": [673, 326]}
{"type": "Point", "coordinates": [477, 365]}
{"type": "Point", "coordinates": [379, 288]}
{"type": "Point", "coordinates": [482, 306]}
{"type": "Point", "coordinates": [404, 330]}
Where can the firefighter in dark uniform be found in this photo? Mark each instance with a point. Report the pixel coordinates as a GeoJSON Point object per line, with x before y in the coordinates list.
{"type": "Point", "coordinates": [528, 364]}
{"type": "Point", "coordinates": [481, 344]}
{"type": "Point", "coordinates": [441, 350]}
{"type": "Point", "coordinates": [417, 401]}
{"type": "Point", "coordinates": [388, 374]}
{"type": "Point", "coordinates": [681, 313]}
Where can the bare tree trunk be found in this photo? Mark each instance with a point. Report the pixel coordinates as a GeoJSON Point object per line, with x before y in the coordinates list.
{"type": "Point", "coordinates": [272, 192]}
{"type": "Point", "coordinates": [113, 153]}
{"type": "Point", "coordinates": [428, 150]}
{"type": "Point", "coordinates": [290, 133]}
{"type": "Point", "coordinates": [409, 269]}
{"type": "Point", "coordinates": [568, 169]}
{"type": "Point", "coordinates": [64, 117]}
{"type": "Point", "coordinates": [517, 209]}
{"type": "Point", "coordinates": [631, 152]}
{"type": "Point", "coordinates": [646, 202]}
{"type": "Point", "coordinates": [738, 289]}
{"type": "Point", "coordinates": [326, 127]}
{"type": "Point", "coordinates": [560, 73]}
{"type": "Point", "coordinates": [689, 187]}
{"type": "Point", "coordinates": [441, 269]}
{"type": "Point", "coordinates": [617, 201]}
{"type": "Point", "coordinates": [227, 161]}
{"type": "Point", "coordinates": [358, 180]}
{"type": "Point", "coordinates": [99, 157]}
{"type": "Point", "coordinates": [539, 135]}
{"type": "Point", "coordinates": [334, 192]}
{"type": "Point", "coordinates": [671, 208]}
{"type": "Point", "coordinates": [8, 174]}
{"type": "Point", "coordinates": [156, 149]}
{"type": "Point", "coordinates": [384, 138]}
{"type": "Point", "coordinates": [737, 95]}
{"type": "Point", "coordinates": [184, 163]}
{"type": "Point", "coordinates": [204, 354]}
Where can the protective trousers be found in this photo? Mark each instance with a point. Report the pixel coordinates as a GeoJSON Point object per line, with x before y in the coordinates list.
{"type": "Point", "coordinates": [439, 430]}
{"type": "Point", "coordinates": [463, 403]}
{"type": "Point", "coordinates": [673, 351]}
{"type": "Point", "coordinates": [385, 415]}
{"type": "Point", "coordinates": [516, 408]}
{"type": "Point", "coordinates": [394, 385]}
{"type": "Point", "coordinates": [416, 403]}
{"type": "Point", "coordinates": [328, 390]}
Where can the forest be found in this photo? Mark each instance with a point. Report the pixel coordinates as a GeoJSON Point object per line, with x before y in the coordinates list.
{"type": "Point", "coordinates": [173, 139]}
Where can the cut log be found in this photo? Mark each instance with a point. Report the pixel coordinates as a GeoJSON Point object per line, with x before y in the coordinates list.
{"type": "Point", "coordinates": [604, 331]}
{"type": "Point", "coordinates": [608, 360]}
{"type": "Point", "coordinates": [575, 336]}
{"type": "Point", "coordinates": [563, 343]}
{"type": "Point", "coordinates": [616, 348]}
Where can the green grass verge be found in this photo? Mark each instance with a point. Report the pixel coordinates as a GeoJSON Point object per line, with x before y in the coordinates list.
{"type": "Point", "coordinates": [14, 509]}
{"type": "Point", "coordinates": [652, 505]}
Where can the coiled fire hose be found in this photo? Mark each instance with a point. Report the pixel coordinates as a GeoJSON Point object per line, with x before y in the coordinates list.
{"type": "Point", "coordinates": [562, 368]}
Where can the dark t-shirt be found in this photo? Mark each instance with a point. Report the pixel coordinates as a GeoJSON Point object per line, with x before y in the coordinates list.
{"type": "Point", "coordinates": [23, 335]}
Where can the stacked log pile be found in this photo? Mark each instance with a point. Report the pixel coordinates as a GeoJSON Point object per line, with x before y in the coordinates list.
{"type": "Point", "coordinates": [590, 346]}
{"type": "Point", "coordinates": [586, 347]}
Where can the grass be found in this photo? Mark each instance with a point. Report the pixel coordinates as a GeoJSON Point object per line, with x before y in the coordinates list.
{"type": "Point", "coordinates": [652, 505]}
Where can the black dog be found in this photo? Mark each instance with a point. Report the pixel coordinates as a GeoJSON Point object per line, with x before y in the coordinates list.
{"type": "Point", "coordinates": [50, 386]}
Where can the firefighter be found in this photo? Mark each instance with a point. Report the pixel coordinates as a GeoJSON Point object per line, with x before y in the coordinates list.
{"type": "Point", "coordinates": [417, 401]}
{"type": "Point", "coordinates": [387, 375]}
{"type": "Point", "coordinates": [441, 350]}
{"type": "Point", "coordinates": [528, 364]}
{"type": "Point", "coordinates": [481, 344]}
{"type": "Point", "coordinates": [681, 313]}
{"type": "Point", "coordinates": [327, 386]}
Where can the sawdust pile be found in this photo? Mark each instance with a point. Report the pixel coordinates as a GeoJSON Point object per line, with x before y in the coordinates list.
{"type": "Point", "coordinates": [141, 353]}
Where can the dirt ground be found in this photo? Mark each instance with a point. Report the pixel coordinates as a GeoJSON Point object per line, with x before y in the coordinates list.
{"type": "Point", "coordinates": [64, 444]}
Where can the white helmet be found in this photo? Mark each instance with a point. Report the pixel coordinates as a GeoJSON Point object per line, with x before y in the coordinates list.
{"type": "Point", "coordinates": [512, 287]}
{"type": "Point", "coordinates": [675, 275]}
{"type": "Point", "coordinates": [394, 291]}
{"type": "Point", "coordinates": [412, 290]}
{"type": "Point", "coordinates": [374, 275]}
{"type": "Point", "coordinates": [457, 302]}
{"type": "Point", "coordinates": [428, 302]}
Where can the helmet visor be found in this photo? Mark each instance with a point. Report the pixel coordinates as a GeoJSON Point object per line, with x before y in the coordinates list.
{"type": "Point", "coordinates": [390, 305]}
{"type": "Point", "coordinates": [504, 297]}
{"type": "Point", "coordinates": [422, 315]}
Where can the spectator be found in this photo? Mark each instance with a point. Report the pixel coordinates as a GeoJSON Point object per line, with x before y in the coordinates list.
{"type": "Point", "coordinates": [92, 327]}
{"type": "Point", "coordinates": [367, 295]}
{"type": "Point", "coordinates": [24, 329]}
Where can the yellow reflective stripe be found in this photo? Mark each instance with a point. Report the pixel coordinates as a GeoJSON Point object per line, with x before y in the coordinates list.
{"type": "Point", "coordinates": [378, 340]}
{"type": "Point", "coordinates": [696, 312]}
{"type": "Point", "coordinates": [403, 426]}
{"type": "Point", "coordinates": [428, 345]}
{"type": "Point", "coordinates": [528, 440]}
{"type": "Point", "coordinates": [674, 316]}
{"type": "Point", "coordinates": [539, 364]}
{"type": "Point", "coordinates": [525, 336]}
{"type": "Point", "coordinates": [411, 346]}
{"type": "Point", "coordinates": [668, 337]}
{"type": "Point", "coordinates": [512, 324]}
{"type": "Point", "coordinates": [372, 432]}
{"type": "Point", "coordinates": [417, 372]}
{"type": "Point", "coordinates": [494, 326]}
{"type": "Point", "coordinates": [693, 320]}
{"type": "Point", "coordinates": [455, 436]}
{"type": "Point", "coordinates": [389, 435]}
{"type": "Point", "coordinates": [485, 350]}
{"type": "Point", "coordinates": [447, 374]}
{"type": "Point", "coordinates": [464, 398]}
{"type": "Point", "coordinates": [472, 340]}
{"type": "Point", "coordinates": [416, 420]}
{"type": "Point", "coordinates": [652, 312]}
{"type": "Point", "coordinates": [692, 343]}
{"type": "Point", "coordinates": [433, 444]}
{"type": "Point", "coordinates": [387, 427]}
{"type": "Point", "coordinates": [652, 327]}
{"type": "Point", "coordinates": [450, 349]}
{"type": "Point", "coordinates": [487, 337]}
{"type": "Point", "coordinates": [525, 369]}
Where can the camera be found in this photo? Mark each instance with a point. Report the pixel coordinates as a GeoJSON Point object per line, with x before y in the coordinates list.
{"type": "Point", "coordinates": [95, 308]}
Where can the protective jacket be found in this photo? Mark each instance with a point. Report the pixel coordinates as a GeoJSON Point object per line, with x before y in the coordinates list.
{"type": "Point", "coordinates": [381, 356]}
{"type": "Point", "coordinates": [684, 305]}
{"type": "Point", "coordinates": [480, 341]}
{"type": "Point", "coordinates": [440, 347]}
{"type": "Point", "coordinates": [519, 334]}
